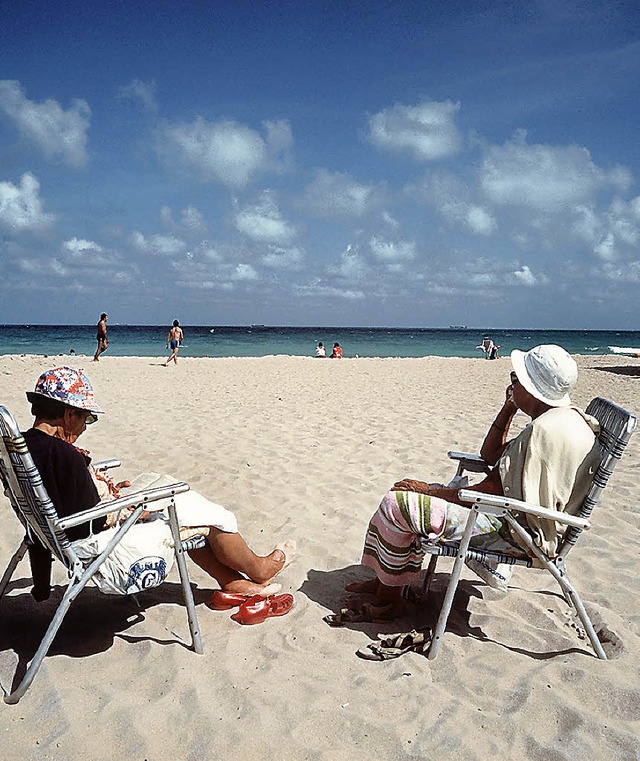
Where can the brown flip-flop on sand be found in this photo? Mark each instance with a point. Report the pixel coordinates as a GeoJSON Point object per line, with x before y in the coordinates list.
{"type": "Point", "coordinates": [367, 613]}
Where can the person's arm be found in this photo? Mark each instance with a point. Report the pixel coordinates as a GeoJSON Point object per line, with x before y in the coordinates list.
{"type": "Point", "coordinates": [489, 485]}
{"type": "Point", "coordinates": [497, 436]}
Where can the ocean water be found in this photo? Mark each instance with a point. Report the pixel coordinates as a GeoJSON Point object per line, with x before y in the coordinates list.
{"type": "Point", "coordinates": [261, 340]}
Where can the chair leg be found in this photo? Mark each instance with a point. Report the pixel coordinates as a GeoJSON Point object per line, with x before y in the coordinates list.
{"type": "Point", "coordinates": [13, 564]}
{"type": "Point", "coordinates": [196, 639]}
{"type": "Point", "coordinates": [428, 579]}
{"type": "Point", "coordinates": [70, 594]}
{"type": "Point", "coordinates": [436, 642]}
{"type": "Point", "coordinates": [568, 590]}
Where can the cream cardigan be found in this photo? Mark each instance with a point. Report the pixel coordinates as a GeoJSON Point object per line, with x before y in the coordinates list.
{"type": "Point", "coordinates": [551, 463]}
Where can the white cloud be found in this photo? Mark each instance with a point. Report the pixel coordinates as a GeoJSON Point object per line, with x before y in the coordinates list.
{"type": "Point", "coordinates": [426, 130]}
{"type": "Point", "coordinates": [145, 92]}
{"type": "Point", "coordinates": [20, 206]}
{"type": "Point", "coordinates": [60, 134]}
{"type": "Point", "coordinates": [225, 151]}
{"type": "Point", "coordinates": [158, 245]}
{"type": "Point", "coordinates": [284, 258]}
{"type": "Point", "coordinates": [392, 251]}
{"type": "Point", "coordinates": [78, 252]}
{"type": "Point", "coordinates": [327, 291]}
{"type": "Point", "coordinates": [244, 272]}
{"type": "Point", "coordinates": [352, 265]}
{"type": "Point", "coordinates": [543, 177]}
{"type": "Point", "coordinates": [263, 221]}
{"type": "Point", "coordinates": [192, 219]}
{"type": "Point", "coordinates": [524, 276]}
{"type": "Point", "coordinates": [613, 233]}
{"type": "Point", "coordinates": [479, 220]}
{"type": "Point", "coordinates": [452, 197]}
{"type": "Point", "coordinates": [79, 246]}
{"type": "Point", "coordinates": [336, 194]}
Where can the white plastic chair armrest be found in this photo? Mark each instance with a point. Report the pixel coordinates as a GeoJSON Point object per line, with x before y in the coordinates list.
{"type": "Point", "coordinates": [144, 497]}
{"type": "Point", "coordinates": [106, 464]}
{"type": "Point", "coordinates": [507, 503]}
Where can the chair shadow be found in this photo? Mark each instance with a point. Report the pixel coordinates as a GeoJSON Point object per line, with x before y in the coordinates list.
{"type": "Point", "coordinates": [91, 625]}
{"type": "Point", "coordinates": [327, 588]}
{"type": "Point", "coordinates": [633, 372]}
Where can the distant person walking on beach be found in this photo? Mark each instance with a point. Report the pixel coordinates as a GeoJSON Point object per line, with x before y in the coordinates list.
{"type": "Point", "coordinates": [174, 340]}
{"type": "Point", "coordinates": [320, 350]}
{"type": "Point", "coordinates": [487, 347]}
{"type": "Point", "coordinates": [337, 351]}
{"type": "Point", "coordinates": [101, 336]}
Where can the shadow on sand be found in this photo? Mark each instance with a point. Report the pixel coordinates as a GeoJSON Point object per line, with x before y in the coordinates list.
{"type": "Point", "coordinates": [91, 625]}
{"type": "Point", "coordinates": [628, 370]}
{"type": "Point", "coordinates": [327, 588]}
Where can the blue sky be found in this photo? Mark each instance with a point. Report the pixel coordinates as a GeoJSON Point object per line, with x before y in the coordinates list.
{"type": "Point", "coordinates": [320, 163]}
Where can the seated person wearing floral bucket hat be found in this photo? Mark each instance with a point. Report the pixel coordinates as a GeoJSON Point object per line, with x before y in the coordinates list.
{"type": "Point", "coordinates": [63, 404]}
{"type": "Point", "coordinates": [551, 463]}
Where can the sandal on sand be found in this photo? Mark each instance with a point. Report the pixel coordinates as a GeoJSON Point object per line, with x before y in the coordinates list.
{"type": "Point", "coordinates": [257, 609]}
{"type": "Point", "coordinates": [368, 613]}
{"type": "Point", "coordinates": [389, 646]}
{"type": "Point", "coordinates": [227, 600]}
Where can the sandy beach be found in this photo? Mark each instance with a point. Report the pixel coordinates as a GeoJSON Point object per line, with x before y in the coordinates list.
{"type": "Point", "coordinates": [303, 448]}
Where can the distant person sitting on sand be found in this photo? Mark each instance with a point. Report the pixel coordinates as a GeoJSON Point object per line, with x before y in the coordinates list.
{"type": "Point", "coordinates": [337, 351]}
{"type": "Point", "coordinates": [550, 463]}
{"type": "Point", "coordinates": [101, 336]}
{"type": "Point", "coordinates": [486, 346]}
{"type": "Point", "coordinates": [174, 339]}
{"type": "Point", "coordinates": [320, 350]}
{"type": "Point", "coordinates": [63, 404]}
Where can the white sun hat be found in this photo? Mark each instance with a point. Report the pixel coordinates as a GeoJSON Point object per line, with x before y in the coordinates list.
{"type": "Point", "coordinates": [547, 372]}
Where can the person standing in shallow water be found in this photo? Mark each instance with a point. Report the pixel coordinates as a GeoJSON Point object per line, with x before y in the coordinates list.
{"type": "Point", "coordinates": [101, 336]}
{"type": "Point", "coordinates": [174, 340]}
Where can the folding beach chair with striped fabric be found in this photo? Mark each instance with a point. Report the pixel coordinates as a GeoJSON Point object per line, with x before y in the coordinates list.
{"type": "Point", "coordinates": [28, 497]}
{"type": "Point", "coordinates": [617, 425]}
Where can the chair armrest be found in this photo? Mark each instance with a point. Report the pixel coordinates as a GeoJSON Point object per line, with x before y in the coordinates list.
{"type": "Point", "coordinates": [106, 464]}
{"type": "Point", "coordinates": [146, 496]}
{"type": "Point", "coordinates": [509, 504]}
{"type": "Point", "coordinates": [471, 462]}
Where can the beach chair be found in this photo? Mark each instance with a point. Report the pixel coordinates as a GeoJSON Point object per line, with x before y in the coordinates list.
{"type": "Point", "coordinates": [617, 425]}
{"type": "Point", "coordinates": [28, 497]}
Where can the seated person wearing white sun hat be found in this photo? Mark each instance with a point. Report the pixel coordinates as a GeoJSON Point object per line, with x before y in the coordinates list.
{"type": "Point", "coordinates": [551, 463]}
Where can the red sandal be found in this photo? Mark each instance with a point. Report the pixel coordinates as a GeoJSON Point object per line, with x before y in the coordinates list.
{"type": "Point", "coordinates": [257, 609]}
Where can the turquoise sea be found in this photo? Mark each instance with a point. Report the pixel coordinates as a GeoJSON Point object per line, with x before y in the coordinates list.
{"type": "Point", "coordinates": [262, 340]}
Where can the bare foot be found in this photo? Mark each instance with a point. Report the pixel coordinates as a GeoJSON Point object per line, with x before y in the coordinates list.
{"type": "Point", "coordinates": [246, 587]}
{"type": "Point", "coordinates": [368, 587]}
{"type": "Point", "coordinates": [280, 558]}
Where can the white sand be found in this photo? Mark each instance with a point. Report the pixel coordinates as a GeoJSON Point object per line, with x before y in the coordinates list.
{"type": "Point", "coordinates": [305, 448]}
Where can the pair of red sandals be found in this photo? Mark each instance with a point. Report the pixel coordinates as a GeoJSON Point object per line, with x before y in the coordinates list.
{"type": "Point", "coordinates": [252, 609]}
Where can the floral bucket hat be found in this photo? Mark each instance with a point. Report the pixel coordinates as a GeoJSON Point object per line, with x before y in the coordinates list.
{"type": "Point", "coordinates": [66, 385]}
